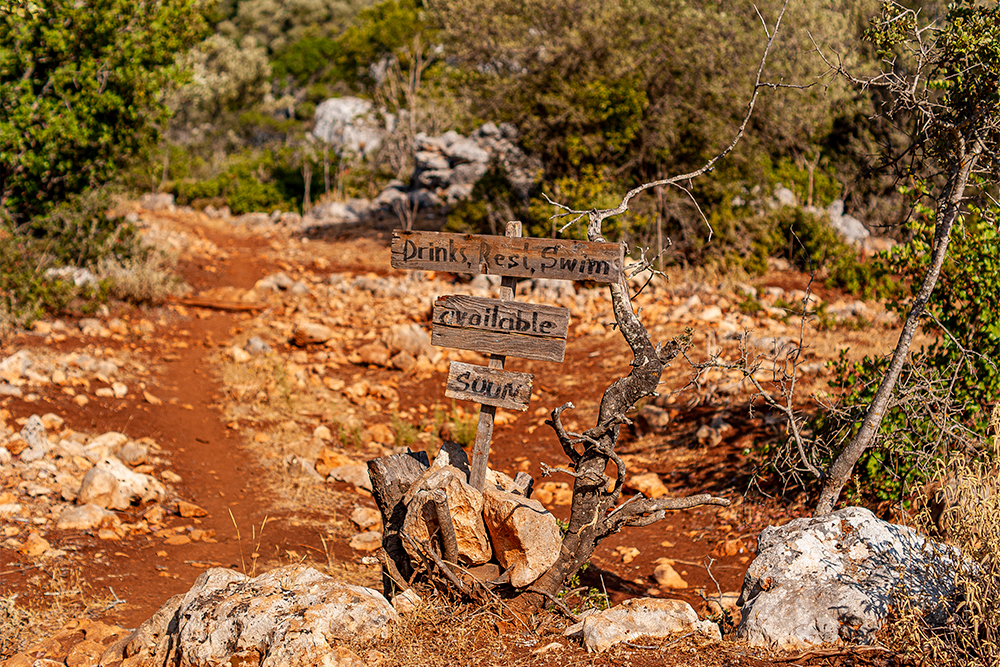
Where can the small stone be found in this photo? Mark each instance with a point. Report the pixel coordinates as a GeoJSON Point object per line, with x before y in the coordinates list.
{"type": "Point", "coordinates": [711, 314]}
{"type": "Point", "coordinates": [667, 577]}
{"type": "Point", "coordinates": [171, 477]}
{"type": "Point", "coordinates": [256, 346]}
{"type": "Point", "coordinates": [356, 474]}
{"type": "Point", "coordinates": [34, 546]}
{"type": "Point", "coordinates": [648, 484]}
{"type": "Point", "coordinates": [177, 540]}
{"type": "Point", "coordinates": [190, 510]}
{"type": "Point", "coordinates": [155, 514]}
{"type": "Point", "coordinates": [133, 454]}
{"type": "Point", "coordinates": [323, 433]}
{"type": "Point", "coordinates": [104, 392]}
{"type": "Point", "coordinates": [651, 419]}
{"type": "Point", "coordinates": [367, 541]}
{"type": "Point", "coordinates": [708, 436]}
{"type": "Point", "coordinates": [628, 554]}
{"type": "Point", "coordinates": [554, 493]}
{"type": "Point", "coordinates": [310, 333]}
{"type": "Point", "coordinates": [406, 602]}
{"type": "Point", "coordinates": [52, 421]}
{"type": "Point", "coordinates": [366, 517]}
{"type": "Point", "coordinates": [375, 354]}
{"type": "Point", "coordinates": [403, 361]}
{"type": "Point", "coordinates": [329, 459]}
{"type": "Point", "coordinates": [120, 389]}
{"type": "Point", "coordinates": [239, 355]}
{"type": "Point", "coordinates": [152, 400]}
{"type": "Point", "coordinates": [81, 400]}
{"type": "Point", "coordinates": [87, 517]}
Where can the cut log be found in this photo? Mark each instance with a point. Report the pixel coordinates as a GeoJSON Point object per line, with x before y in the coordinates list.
{"type": "Point", "coordinates": [391, 477]}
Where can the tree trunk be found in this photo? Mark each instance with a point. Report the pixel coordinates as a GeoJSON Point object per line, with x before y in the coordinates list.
{"type": "Point", "coordinates": [307, 177]}
{"type": "Point", "coordinates": [947, 213]}
{"type": "Point", "coordinates": [391, 478]}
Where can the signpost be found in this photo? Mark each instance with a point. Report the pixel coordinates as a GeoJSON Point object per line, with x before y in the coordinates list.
{"type": "Point", "coordinates": [501, 327]}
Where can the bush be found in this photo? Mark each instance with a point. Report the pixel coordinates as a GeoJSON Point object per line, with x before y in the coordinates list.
{"type": "Point", "coordinates": [250, 181]}
{"type": "Point", "coordinates": [941, 400]}
{"type": "Point", "coordinates": [81, 91]}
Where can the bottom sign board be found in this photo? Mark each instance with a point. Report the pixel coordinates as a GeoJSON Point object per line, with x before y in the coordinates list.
{"type": "Point", "coordinates": [489, 386]}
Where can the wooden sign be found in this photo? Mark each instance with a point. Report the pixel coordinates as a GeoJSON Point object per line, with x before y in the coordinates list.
{"type": "Point", "coordinates": [489, 386]}
{"type": "Point", "coordinates": [508, 256]}
{"type": "Point", "coordinates": [510, 328]}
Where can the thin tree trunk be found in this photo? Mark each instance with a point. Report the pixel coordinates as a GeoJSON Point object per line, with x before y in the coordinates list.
{"type": "Point", "coordinates": [326, 169]}
{"type": "Point", "coordinates": [841, 468]}
{"type": "Point", "coordinates": [307, 177]}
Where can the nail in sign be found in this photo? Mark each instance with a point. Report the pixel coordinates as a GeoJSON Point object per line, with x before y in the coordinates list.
{"type": "Point", "coordinates": [489, 386]}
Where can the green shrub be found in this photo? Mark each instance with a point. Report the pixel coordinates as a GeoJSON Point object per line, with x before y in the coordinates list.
{"type": "Point", "coordinates": [250, 181]}
{"type": "Point", "coordinates": [941, 400]}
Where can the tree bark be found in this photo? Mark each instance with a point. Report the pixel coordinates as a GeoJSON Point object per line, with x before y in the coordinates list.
{"type": "Point", "coordinates": [947, 213]}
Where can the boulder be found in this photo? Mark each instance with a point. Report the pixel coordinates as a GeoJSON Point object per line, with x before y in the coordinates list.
{"type": "Point", "coordinates": [832, 579]}
{"type": "Point", "coordinates": [643, 617]}
{"type": "Point", "coordinates": [348, 124]}
{"type": "Point", "coordinates": [465, 504]}
{"type": "Point", "coordinates": [291, 616]}
{"type": "Point", "coordinates": [111, 485]}
{"type": "Point", "coordinates": [525, 535]}
{"type": "Point", "coordinates": [848, 226]}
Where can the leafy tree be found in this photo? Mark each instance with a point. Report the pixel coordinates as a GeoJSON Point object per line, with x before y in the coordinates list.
{"type": "Point", "coordinates": [943, 81]}
{"type": "Point", "coordinates": [81, 86]}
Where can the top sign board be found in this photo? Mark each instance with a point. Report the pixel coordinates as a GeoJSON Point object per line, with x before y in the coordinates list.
{"type": "Point", "coordinates": [508, 256]}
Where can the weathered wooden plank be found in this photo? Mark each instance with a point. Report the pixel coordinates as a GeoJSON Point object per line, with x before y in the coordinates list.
{"type": "Point", "coordinates": [508, 256]}
{"type": "Point", "coordinates": [527, 319]}
{"type": "Point", "coordinates": [507, 344]}
{"type": "Point", "coordinates": [391, 477]}
{"type": "Point", "coordinates": [489, 386]}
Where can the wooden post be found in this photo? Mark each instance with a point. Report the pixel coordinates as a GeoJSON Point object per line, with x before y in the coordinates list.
{"type": "Point", "coordinates": [484, 432]}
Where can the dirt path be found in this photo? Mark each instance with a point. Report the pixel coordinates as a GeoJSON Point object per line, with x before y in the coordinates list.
{"type": "Point", "coordinates": [217, 472]}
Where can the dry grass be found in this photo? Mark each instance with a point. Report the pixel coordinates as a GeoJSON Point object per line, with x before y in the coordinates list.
{"type": "Point", "coordinates": [441, 632]}
{"type": "Point", "coordinates": [970, 636]}
{"type": "Point", "coordinates": [66, 596]}
{"type": "Point", "coordinates": [148, 278]}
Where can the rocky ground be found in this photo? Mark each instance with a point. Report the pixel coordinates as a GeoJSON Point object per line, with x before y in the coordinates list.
{"type": "Point", "coordinates": [230, 428]}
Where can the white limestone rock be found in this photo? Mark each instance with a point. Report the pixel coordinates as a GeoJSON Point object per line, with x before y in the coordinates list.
{"type": "Point", "coordinates": [292, 616]}
{"type": "Point", "coordinates": [831, 579]}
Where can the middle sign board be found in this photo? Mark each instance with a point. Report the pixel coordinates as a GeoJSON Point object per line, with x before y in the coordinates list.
{"type": "Point", "coordinates": [492, 326]}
